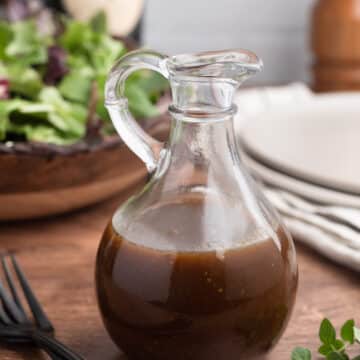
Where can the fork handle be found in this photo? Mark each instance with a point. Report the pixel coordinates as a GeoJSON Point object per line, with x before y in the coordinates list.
{"type": "Point", "coordinates": [49, 344]}
{"type": "Point", "coordinates": [51, 354]}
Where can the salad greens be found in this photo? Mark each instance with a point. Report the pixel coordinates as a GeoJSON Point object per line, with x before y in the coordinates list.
{"type": "Point", "coordinates": [47, 83]}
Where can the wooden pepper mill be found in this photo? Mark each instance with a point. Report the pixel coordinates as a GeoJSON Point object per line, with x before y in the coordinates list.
{"type": "Point", "coordinates": [336, 45]}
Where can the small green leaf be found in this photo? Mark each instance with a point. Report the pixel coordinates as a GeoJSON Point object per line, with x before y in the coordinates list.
{"type": "Point", "coordinates": [336, 356]}
{"type": "Point", "coordinates": [357, 334]}
{"type": "Point", "coordinates": [347, 331]}
{"type": "Point", "coordinates": [327, 332]}
{"type": "Point", "coordinates": [339, 345]}
{"type": "Point", "coordinates": [98, 22]}
{"type": "Point", "coordinates": [300, 353]}
{"type": "Point", "coordinates": [356, 358]}
{"type": "Point", "coordinates": [325, 349]}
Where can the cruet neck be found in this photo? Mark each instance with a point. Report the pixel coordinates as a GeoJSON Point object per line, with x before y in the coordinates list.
{"type": "Point", "coordinates": [200, 152]}
{"type": "Point", "coordinates": [206, 82]}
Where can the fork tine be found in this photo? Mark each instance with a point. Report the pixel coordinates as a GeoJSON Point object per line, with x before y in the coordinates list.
{"type": "Point", "coordinates": [11, 283]}
{"type": "Point", "coordinates": [11, 306]}
{"type": "Point", "coordinates": [39, 315]}
{"type": "Point", "coordinates": [3, 317]}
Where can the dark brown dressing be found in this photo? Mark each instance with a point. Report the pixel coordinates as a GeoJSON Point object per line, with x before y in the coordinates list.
{"type": "Point", "coordinates": [161, 302]}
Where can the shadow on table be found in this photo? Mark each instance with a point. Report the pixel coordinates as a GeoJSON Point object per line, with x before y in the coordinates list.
{"type": "Point", "coordinates": [340, 272]}
{"type": "Point", "coordinates": [24, 352]}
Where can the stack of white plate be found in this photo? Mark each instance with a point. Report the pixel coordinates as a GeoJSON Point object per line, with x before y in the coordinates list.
{"type": "Point", "coordinates": [305, 150]}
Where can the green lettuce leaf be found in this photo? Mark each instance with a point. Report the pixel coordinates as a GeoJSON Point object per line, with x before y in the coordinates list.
{"type": "Point", "coordinates": [77, 38]}
{"type": "Point", "coordinates": [98, 22]}
{"type": "Point", "coordinates": [42, 133]}
{"type": "Point", "coordinates": [65, 116]}
{"type": "Point", "coordinates": [151, 82]}
{"type": "Point", "coordinates": [52, 120]}
{"type": "Point", "coordinates": [76, 86]}
{"type": "Point", "coordinates": [6, 36]}
{"type": "Point", "coordinates": [4, 118]}
{"type": "Point", "coordinates": [48, 134]}
{"type": "Point", "coordinates": [93, 47]}
{"type": "Point", "coordinates": [19, 115]}
{"type": "Point", "coordinates": [139, 103]}
{"type": "Point", "coordinates": [100, 107]}
{"type": "Point", "coordinates": [27, 46]}
{"type": "Point", "coordinates": [106, 51]}
{"type": "Point", "coordinates": [24, 80]}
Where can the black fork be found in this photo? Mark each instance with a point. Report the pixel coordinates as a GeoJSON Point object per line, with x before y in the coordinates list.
{"type": "Point", "coordinates": [16, 326]}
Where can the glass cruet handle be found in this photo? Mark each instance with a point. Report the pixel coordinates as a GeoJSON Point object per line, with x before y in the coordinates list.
{"type": "Point", "coordinates": [143, 145]}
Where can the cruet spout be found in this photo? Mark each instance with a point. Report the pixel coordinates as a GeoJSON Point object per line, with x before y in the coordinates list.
{"type": "Point", "coordinates": [227, 65]}
{"type": "Point", "coordinates": [207, 81]}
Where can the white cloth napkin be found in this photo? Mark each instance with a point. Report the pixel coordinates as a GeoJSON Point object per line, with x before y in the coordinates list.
{"type": "Point", "coordinates": [328, 230]}
{"type": "Point", "coordinates": [331, 228]}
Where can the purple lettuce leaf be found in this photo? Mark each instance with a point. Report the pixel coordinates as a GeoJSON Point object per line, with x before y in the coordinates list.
{"type": "Point", "coordinates": [4, 89]}
{"type": "Point", "coordinates": [56, 67]}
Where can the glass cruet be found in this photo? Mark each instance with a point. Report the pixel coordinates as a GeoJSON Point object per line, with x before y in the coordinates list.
{"type": "Point", "coordinates": [197, 265]}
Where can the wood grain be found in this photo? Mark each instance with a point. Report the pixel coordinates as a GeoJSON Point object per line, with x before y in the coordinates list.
{"type": "Point", "coordinates": [58, 256]}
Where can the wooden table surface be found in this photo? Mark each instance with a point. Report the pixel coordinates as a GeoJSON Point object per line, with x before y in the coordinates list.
{"type": "Point", "coordinates": [58, 256]}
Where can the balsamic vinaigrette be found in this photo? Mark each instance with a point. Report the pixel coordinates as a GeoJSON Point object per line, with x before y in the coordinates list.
{"type": "Point", "coordinates": [197, 265]}
{"type": "Point", "coordinates": [169, 297]}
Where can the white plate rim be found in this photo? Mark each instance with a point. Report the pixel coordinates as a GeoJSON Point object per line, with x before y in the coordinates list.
{"type": "Point", "coordinates": [304, 189]}
{"type": "Point", "coordinates": [260, 157]}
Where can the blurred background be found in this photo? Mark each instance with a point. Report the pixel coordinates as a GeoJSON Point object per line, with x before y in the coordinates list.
{"type": "Point", "coordinates": [277, 30]}
{"type": "Point", "coordinates": [290, 36]}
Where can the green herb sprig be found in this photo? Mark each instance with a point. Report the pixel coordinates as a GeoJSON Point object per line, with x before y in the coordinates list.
{"type": "Point", "coordinates": [332, 347]}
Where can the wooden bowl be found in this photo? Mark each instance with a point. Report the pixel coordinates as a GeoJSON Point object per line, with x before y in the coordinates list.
{"type": "Point", "coordinates": [40, 180]}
